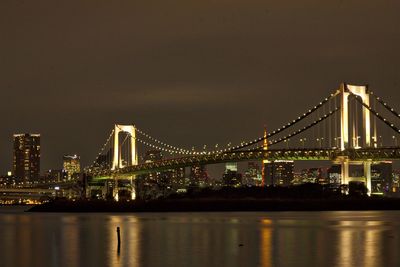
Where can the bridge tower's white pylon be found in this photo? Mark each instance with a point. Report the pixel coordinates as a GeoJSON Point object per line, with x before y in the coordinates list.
{"type": "Point", "coordinates": [130, 129]}
{"type": "Point", "coordinates": [362, 91]}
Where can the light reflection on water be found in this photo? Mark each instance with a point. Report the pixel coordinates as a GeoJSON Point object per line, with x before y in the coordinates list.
{"type": "Point", "coordinates": [201, 239]}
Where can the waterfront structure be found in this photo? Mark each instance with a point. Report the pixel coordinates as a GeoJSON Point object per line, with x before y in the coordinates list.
{"type": "Point", "coordinates": [71, 165]}
{"type": "Point", "coordinates": [26, 163]}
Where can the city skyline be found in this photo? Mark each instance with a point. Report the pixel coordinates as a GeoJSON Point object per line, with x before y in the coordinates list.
{"type": "Point", "coordinates": [199, 133]}
{"type": "Point", "coordinates": [178, 76]}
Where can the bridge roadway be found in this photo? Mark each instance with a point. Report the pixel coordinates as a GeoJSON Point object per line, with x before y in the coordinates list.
{"type": "Point", "coordinates": [299, 154]}
{"type": "Point", "coordinates": [27, 190]}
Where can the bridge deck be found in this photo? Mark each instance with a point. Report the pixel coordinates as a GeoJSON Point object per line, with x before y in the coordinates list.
{"type": "Point", "coordinates": [300, 154]}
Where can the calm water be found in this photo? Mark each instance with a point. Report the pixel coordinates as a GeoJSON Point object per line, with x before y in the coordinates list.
{"type": "Point", "coordinates": [200, 239]}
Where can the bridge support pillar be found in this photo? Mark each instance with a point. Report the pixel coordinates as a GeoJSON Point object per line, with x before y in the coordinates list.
{"type": "Point", "coordinates": [367, 175]}
{"type": "Point", "coordinates": [344, 162]}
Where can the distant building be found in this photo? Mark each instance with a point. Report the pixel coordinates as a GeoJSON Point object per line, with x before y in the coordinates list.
{"type": "Point", "coordinates": [8, 181]}
{"type": "Point", "coordinates": [396, 181]}
{"type": "Point", "coordinates": [279, 172]}
{"type": "Point", "coordinates": [381, 177]}
{"type": "Point", "coordinates": [153, 155]}
{"type": "Point", "coordinates": [26, 163]}
{"type": "Point", "coordinates": [151, 185]}
{"type": "Point", "coordinates": [232, 178]}
{"type": "Point", "coordinates": [198, 175]}
{"type": "Point", "coordinates": [103, 161]}
{"type": "Point", "coordinates": [335, 175]}
{"type": "Point", "coordinates": [178, 179]}
{"type": "Point", "coordinates": [71, 165]}
{"type": "Point", "coordinates": [54, 176]}
{"type": "Point", "coordinates": [231, 166]}
{"type": "Point", "coordinates": [252, 176]}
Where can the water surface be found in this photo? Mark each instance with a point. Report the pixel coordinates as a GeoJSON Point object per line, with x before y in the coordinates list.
{"type": "Point", "coordinates": [366, 238]}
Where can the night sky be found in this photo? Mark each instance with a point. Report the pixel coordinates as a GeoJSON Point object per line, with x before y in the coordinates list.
{"type": "Point", "coordinates": [188, 72]}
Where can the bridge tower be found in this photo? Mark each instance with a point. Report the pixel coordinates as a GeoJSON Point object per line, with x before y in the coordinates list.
{"type": "Point", "coordinates": [130, 129]}
{"type": "Point", "coordinates": [362, 91]}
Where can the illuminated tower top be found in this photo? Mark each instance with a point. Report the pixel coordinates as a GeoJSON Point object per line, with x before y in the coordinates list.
{"type": "Point", "coordinates": [265, 144]}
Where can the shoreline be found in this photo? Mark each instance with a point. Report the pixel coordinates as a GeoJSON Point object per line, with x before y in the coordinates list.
{"type": "Point", "coordinates": [221, 205]}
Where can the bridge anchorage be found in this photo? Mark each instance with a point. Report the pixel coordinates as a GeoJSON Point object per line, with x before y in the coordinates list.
{"type": "Point", "coordinates": [349, 128]}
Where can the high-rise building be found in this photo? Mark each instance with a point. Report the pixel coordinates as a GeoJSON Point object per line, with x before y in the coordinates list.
{"type": "Point", "coordinates": [26, 163]}
{"type": "Point", "coordinates": [252, 176]}
{"type": "Point", "coordinates": [279, 172]}
{"type": "Point", "coordinates": [71, 165]}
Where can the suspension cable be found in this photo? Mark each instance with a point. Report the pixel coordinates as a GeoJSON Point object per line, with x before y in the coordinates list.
{"type": "Point", "coordinates": [391, 125]}
{"type": "Point", "coordinates": [305, 128]}
{"type": "Point", "coordinates": [389, 108]}
{"type": "Point", "coordinates": [284, 127]}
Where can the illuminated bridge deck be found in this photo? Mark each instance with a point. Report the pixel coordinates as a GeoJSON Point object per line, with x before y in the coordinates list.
{"type": "Point", "coordinates": [384, 153]}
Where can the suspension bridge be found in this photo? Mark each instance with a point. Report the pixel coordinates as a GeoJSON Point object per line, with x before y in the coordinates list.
{"type": "Point", "coordinates": [351, 126]}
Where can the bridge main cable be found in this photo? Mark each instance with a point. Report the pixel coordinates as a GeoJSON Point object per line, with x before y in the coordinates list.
{"type": "Point", "coordinates": [389, 108]}
{"type": "Point", "coordinates": [387, 122]}
{"type": "Point", "coordinates": [288, 125]}
{"type": "Point", "coordinates": [305, 128]}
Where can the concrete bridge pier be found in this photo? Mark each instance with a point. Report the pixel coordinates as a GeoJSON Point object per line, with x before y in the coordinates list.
{"type": "Point", "coordinates": [345, 163]}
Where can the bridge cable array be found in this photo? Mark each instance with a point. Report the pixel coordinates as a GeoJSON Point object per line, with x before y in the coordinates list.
{"type": "Point", "coordinates": [305, 128]}
{"type": "Point", "coordinates": [288, 125]}
{"type": "Point", "coordinates": [385, 121]}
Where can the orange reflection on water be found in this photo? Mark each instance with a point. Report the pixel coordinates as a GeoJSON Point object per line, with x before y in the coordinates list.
{"type": "Point", "coordinates": [70, 239]}
{"type": "Point", "coordinates": [359, 244]}
{"type": "Point", "coordinates": [129, 253]}
{"type": "Point", "coordinates": [266, 242]}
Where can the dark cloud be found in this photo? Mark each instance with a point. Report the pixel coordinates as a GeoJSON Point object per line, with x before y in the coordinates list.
{"type": "Point", "coordinates": [193, 72]}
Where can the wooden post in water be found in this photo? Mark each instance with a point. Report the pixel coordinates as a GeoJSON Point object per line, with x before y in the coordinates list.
{"type": "Point", "coordinates": [119, 239]}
